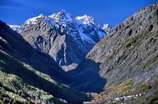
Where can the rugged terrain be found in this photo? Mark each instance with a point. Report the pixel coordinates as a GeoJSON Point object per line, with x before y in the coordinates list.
{"type": "Point", "coordinates": [122, 68]}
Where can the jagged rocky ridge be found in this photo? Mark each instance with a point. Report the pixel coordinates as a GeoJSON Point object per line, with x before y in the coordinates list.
{"type": "Point", "coordinates": [30, 77]}
{"type": "Point", "coordinates": [65, 38]}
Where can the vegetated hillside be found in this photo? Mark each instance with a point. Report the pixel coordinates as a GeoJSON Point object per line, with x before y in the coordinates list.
{"type": "Point", "coordinates": [128, 60]}
{"type": "Point", "coordinates": [27, 76]}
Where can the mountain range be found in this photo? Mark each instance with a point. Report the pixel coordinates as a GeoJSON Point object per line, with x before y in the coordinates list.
{"type": "Point", "coordinates": [62, 59]}
{"type": "Point", "coordinates": [65, 38]}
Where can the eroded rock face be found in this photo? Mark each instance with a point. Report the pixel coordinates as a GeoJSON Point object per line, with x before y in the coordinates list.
{"type": "Point", "coordinates": [63, 37]}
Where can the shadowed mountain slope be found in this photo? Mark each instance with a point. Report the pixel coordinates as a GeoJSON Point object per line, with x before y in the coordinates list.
{"type": "Point", "coordinates": [28, 76]}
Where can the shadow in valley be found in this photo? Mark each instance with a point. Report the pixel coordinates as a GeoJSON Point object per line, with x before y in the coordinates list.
{"type": "Point", "coordinates": [86, 77]}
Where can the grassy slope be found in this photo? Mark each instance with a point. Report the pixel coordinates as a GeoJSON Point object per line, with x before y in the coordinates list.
{"type": "Point", "coordinates": [14, 87]}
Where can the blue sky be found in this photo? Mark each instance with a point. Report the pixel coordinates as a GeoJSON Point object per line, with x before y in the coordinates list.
{"type": "Point", "coordinates": [105, 11]}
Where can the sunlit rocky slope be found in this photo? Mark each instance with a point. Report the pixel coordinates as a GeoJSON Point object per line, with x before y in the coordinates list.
{"type": "Point", "coordinates": [128, 60]}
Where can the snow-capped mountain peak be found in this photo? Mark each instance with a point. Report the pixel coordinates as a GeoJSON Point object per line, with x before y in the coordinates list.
{"type": "Point", "coordinates": [16, 28]}
{"type": "Point", "coordinates": [62, 16]}
{"type": "Point", "coordinates": [33, 20]}
{"type": "Point", "coordinates": [86, 19]}
{"type": "Point", "coordinates": [106, 28]}
{"type": "Point", "coordinates": [61, 32]}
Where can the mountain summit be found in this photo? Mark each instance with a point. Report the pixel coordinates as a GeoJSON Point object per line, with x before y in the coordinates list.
{"type": "Point", "coordinates": [61, 16]}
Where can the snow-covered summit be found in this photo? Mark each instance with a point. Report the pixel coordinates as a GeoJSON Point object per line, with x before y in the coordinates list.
{"type": "Point", "coordinates": [86, 19]}
{"type": "Point", "coordinates": [86, 24]}
{"type": "Point", "coordinates": [16, 28]}
{"type": "Point", "coordinates": [106, 28]}
{"type": "Point", "coordinates": [61, 16]}
{"type": "Point", "coordinates": [34, 19]}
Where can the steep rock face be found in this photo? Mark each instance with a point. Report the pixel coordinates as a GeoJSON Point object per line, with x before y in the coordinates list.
{"type": "Point", "coordinates": [131, 49]}
{"type": "Point", "coordinates": [65, 38]}
{"type": "Point", "coordinates": [28, 76]}
{"type": "Point", "coordinates": [127, 57]}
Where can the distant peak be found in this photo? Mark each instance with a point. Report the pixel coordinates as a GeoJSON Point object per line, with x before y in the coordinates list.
{"type": "Point", "coordinates": [106, 27]}
{"type": "Point", "coordinates": [34, 19]}
{"type": "Point", "coordinates": [86, 19]}
{"type": "Point", "coordinates": [61, 16]}
{"type": "Point", "coordinates": [16, 28]}
{"type": "Point", "coordinates": [61, 13]}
